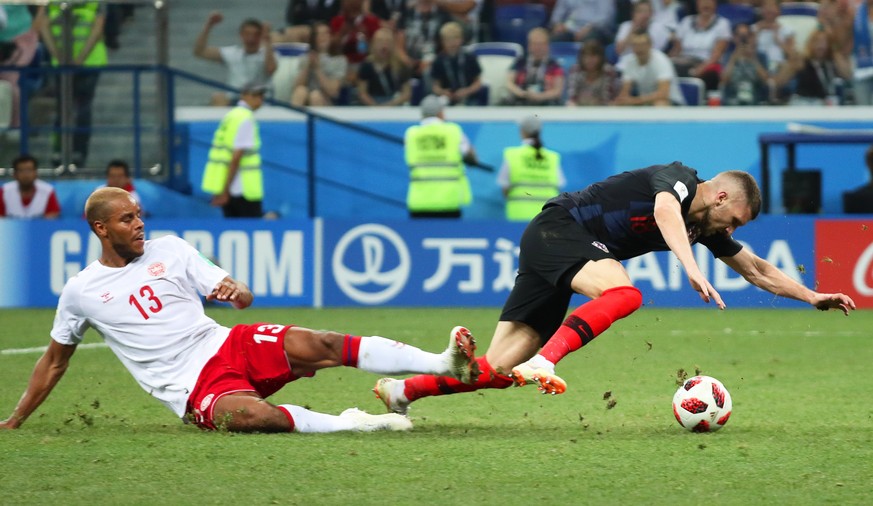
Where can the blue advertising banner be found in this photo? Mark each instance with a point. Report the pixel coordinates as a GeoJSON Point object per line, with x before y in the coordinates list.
{"type": "Point", "coordinates": [402, 263]}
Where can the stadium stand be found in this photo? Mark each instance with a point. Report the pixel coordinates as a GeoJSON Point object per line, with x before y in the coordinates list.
{"type": "Point", "coordinates": [737, 13]}
{"type": "Point", "coordinates": [287, 66]}
{"type": "Point", "coordinates": [799, 9]}
{"type": "Point", "coordinates": [692, 89]}
{"type": "Point", "coordinates": [495, 58]}
{"type": "Point", "coordinates": [513, 22]}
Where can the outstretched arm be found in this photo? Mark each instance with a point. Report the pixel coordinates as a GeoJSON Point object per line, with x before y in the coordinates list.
{"type": "Point", "coordinates": [668, 216]}
{"type": "Point", "coordinates": [766, 276]}
{"type": "Point", "coordinates": [231, 290]}
{"type": "Point", "coordinates": [48, 371]}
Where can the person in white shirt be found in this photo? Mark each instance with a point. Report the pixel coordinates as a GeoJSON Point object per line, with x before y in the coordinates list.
{"type": "Point", "coordinates": [143, 298]}
{"type": "Point", "coordinates": [28, 197]}
{"type": "Point", "coordinates": [650, 73]}
{"type": "Point", "coordinates": [701, 41]}
{"type": "Point", "coordinates": [251, 60]}
{"type": "Point", "coordinates": [642, 20]}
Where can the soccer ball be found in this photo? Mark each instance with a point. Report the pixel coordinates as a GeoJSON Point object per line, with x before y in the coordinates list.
{"type": "Point", "coordinates": [702, 404]}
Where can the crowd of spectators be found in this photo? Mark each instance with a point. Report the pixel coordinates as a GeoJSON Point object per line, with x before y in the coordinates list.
{"type": "Point", "coordinates": [749, 60]}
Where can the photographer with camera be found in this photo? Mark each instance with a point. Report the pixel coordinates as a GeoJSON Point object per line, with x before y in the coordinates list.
{"type": "Point", "coordinates": [744, 79]}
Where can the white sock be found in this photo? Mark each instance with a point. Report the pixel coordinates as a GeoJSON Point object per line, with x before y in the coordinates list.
{"type": "Point", "coordinates": [539, 361]}
{"type": "Point", "coordinates": [312, 421]}
{"type": "Point", "coordinates": [384, 356]}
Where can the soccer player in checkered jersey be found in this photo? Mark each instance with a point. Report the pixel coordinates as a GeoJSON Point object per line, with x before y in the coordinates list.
{"type": "Point", "coordinates": [575, 245]}
{"type": "Point", "coordinates": [143, 298]}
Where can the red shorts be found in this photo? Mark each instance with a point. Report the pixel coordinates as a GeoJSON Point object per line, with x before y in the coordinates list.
{"type": "Point", "coordinates": [252, 359]}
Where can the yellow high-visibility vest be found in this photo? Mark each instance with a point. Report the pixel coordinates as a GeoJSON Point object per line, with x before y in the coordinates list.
{"type": "Point", "coordinates": [83, 19]}
{"type": "Point", "coordinates": [531, 181]}
{"type": "Point", "coordinates": [221, 152]}
{"type": "Point", "coordinates": [437, 179]}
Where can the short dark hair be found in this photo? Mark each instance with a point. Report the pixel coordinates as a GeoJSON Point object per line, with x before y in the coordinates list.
{"type": "Point", "coordinates": [750, 189]}
{"type": "Point", "coordinates": [251, 22]}
{"type": "Point", "coordinates": [118, 163]}
{"type": "Point", "coordinates": [22, 159]}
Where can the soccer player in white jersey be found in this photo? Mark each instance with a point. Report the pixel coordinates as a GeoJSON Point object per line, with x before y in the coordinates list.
{"type": "Point", "coordinates": [143, 298]}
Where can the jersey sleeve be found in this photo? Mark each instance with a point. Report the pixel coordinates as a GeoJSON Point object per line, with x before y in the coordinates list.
{"type": "Point", "coordinates": [70, 324]}
{"type": "Point", "coordinates": [202, 273]}
{"type": "Point", "coordinates": [721, 245]}
{"type": "Point", "coordinates": [676, 179]}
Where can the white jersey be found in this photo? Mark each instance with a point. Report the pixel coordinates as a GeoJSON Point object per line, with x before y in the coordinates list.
{"type": "Point", "coordinates": [150, 314]}
{"type": "Point", "coordinates": [15, 208]}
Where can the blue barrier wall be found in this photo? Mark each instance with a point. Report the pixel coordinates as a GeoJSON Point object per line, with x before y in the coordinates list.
{"type": "Point", "coordinates": [401, 263]}
{"type": "Point", "coordinates": [366, 177]}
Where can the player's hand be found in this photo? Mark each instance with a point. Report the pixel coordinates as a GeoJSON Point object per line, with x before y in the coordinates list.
{"type": "Point", "coordinates": [214, 18]}
{"type": "Point", "coordinates": [705, 289]}
{"type": "Point", "coordinates": [225, 291]}
{"type": "Point", "coordinates": [827, 301]}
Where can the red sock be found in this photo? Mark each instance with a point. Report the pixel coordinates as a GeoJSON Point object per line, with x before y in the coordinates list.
{"type": "Point", "coordinates": [287, 414]}
{"type": "Point", "coordinates": [590, 320]}
{"type": "Point", "coordinates": [351, 346]}
{"type": "Point", "coordinates": [417, 387]}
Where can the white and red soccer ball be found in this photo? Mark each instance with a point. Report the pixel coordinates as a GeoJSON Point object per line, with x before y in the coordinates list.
{"type": "Point", "coordinates": [702, 404]}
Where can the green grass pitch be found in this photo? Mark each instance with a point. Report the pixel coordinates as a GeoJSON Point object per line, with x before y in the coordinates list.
{"type": "Point", "coordinates": [801, 431]}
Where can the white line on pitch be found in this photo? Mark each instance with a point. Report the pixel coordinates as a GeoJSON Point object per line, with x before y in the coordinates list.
{"type": "Point", "coordinates": [41, 349]}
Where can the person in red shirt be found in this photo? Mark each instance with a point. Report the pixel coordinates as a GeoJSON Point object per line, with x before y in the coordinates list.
{"type": "Point", "coordinates": [352, 30]}
{"type": "Point", "coordinates": [28, 197]}
{"type": "Point", "coordinates": [118, 176]}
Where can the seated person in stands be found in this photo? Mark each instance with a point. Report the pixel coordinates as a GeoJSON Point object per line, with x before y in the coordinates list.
{"type": "Point", "coordinates": [302, 15]}
{"type": "Point", "coordinates": [352, 30]}
{"type": "Point", "coordinates": [775, 40]}
{"type": "Point", "coordinates": [648, 77]}
{"type": "Point", "coordinates": [700, 43]}
{"type": "Point", "coordinates": [321, 73]}
{"type": "Point", "coordinates": [455, 74]}
{"type": "Point", "coordinates": [580, 20]}
{"type": "Point", "coordinates": [642, 20]}
{"type": "Point", "coordinates": [250, 60]}
{"type": "Point", "coordinates": [382, 78]}
{"type": "Point", "coordinates": [118, 176]}
{"type": "Point", "coordinates": [592, 80]}
{"type": "Point", "coordinates": [818, 74]}
{"type": "Point", "coordinates": [27, 196]}
{"type": "Point", "coordinates": [418, 32]}
{"type": "Point", "coordinates": [535, 78]}
{"type": "Point", "coordinates": [860, 200]}
{"type": "Point", "coordinates": [744, 79]}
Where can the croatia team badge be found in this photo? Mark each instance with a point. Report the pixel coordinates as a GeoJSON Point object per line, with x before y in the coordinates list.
{"type": "Point", "coordinates": [157, 269]}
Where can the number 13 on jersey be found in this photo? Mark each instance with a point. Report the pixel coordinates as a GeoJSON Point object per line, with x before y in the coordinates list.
{"type": "Point", "coordinates": [148, 295]}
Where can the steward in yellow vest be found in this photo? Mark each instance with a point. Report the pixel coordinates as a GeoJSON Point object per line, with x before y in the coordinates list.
{"type": "Point", "coordinates": [531, 174]}
{"type": "Point", "coordinates": [233, 168]}
{"type": "Point", "coordinates": [88, 50]}
{"type": "Point", "coordinates": [435, 153]}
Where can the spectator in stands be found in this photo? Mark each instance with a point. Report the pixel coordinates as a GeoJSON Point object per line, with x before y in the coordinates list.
{"type": "Point", "coordinates": [535, 78]}
{"type": "Point", "coordinates": [389, 11]}
{"type": "Point", "coordinates": [28, 197]}
{"type": "Point", "coordinates": [251, 60]}
{"type": "Point", "coordinates": [435, 151]}
{"type": "Point", "coordinates": [860, 200]}
{"type": "Point", "coordinates": [18, 43]}
{"type": "Point", "coordinates": [455, 74]}
{"type": "Point", "coordinates": [667, 13]}
{"type": "Point", "coordinates": [382, 78]}
{"type": "Point", "coordinates": [836, 18]}
{"type": "Point", "coordinates": [116, 15]}
{"type": "Point", "coordinates": [863, 53]}
{"type": "Point", "coordinates": [321, 74]}
{"type": "Point", "coordinates": [700, 43]}
{"type": "Point", "coordinates": [118, 176]}
{"type": "Point", "coordinates": [819, 74]}
{"type": "Point", "coordinates": [648, 76]}
{"type": "Point", "coordinates": [466, 12]}
{"type": "Point", "coordinates": [302, 15]}
{"type": "Point", "coordinates": [580, 20]}
{"type": "Point", "coordinates": [352, 30]}
{"type": "Point", "coordinates": [233, 172]}
{"type": "Point", "coordinates": [744, 79]}
{"type": "Point", "coordinates": [530, 174]}
{"type": "Point", "coordinates": [418, 33]}
{"type": "Point", "coordinates": [88, 51]}
{"type": "Point", "coordinates": [642, 20]}
{"type": "Point", "coordinates": [592, 80]}
{"type": "Point", "coordinates": [775, 40]}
